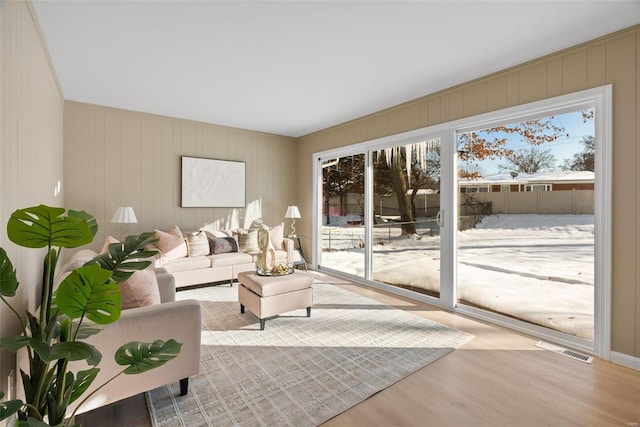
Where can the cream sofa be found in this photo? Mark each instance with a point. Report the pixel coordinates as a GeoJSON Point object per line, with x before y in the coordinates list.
{"type": "Point", "coordinates": [166, 319]}
{"type": "Point", "coordinates": [180, 320]}
{"type": "Point", "coordinates": [188, 269]}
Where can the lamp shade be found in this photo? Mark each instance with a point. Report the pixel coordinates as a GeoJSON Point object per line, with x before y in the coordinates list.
{"type": "Point", "coordinates": [125, 215]}
{"type": "Point", "coordinates": [292, 212]}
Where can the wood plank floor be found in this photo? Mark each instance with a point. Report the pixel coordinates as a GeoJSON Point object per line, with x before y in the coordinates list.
{"type": "Point", "coordinates": [497, 379]}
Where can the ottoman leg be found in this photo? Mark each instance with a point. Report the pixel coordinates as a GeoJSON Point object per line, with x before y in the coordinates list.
{"type": "Point", "coordinates": [308, 311]}
{"type": "Point", "coordinates": [262, 324]}
{"type": "Point", "coordinates": [241, 308]}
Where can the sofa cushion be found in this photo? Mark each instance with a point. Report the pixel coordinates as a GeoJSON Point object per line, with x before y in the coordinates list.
{"type": "Point", "coordinates": [198, 244]}
{"type": "Point", "coordinates": [223, 245]}
{"type": "Point", "coordinates": [187, 263]}
{"type": "Point", "coordinates": [248, 240]}
{"type": "Point", "coordinates": [171, 245]}
{"type": "Point", "coordinates": [140, 290]}
{"type": "Point", "coordinates": [231, 258]}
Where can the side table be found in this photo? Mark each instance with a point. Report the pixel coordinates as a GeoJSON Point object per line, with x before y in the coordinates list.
{"type": "Point", "coordinates": [298, 249]}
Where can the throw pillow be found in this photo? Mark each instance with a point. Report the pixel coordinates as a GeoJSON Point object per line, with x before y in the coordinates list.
{"type": "Point", "coordinates": [248, 240]}
{"type": "Point", "coordinates": [223, 245]}
{"type": "Point", "coordinates": [140, 290]}
{"type": "Point", "coordinates": [219, 233]}
{"type": "Point", "coordinates": [198, 244]}
{"type": "Point", "coordinates": [171, 245]}
{"type": "Point", "coordinates": [277, 236]}
{"type": "Point", "coordinates": [79, 259]}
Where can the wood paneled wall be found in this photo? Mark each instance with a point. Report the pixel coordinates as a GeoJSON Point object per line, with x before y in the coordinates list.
{"type": "Point", "coordinates": [31, 108]}
{"type": "Point", "coordinates": [117, 157]}
{"type": "Point", "coordinates": [610, 60]}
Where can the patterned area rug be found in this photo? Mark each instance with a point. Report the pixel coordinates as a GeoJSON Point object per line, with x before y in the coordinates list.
{"type": "Point", "coordinates": [299, 371]}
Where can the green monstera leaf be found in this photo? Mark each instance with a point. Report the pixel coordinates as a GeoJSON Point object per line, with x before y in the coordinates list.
{"type": "Point", "coordinates": [9, 407]}
{"type": "Point", "coordinates": [82, 382]}
{"type": "Point", "coordinates": [8, 280]}
{"type": "Point", "coordinates": [14, 343]}
{"type": "Point", "coordinates": [124, 258]}
{"type": "Point", "coordinates": [73, 350]}
{"type": "Point", "coordinates": [82, 215]}
{"type": "Point", "coordinates": [42, 226]}
{"type": "Point", "coordinates": [140, 357]}
{"type": "Point", "coordinates": [89, 292]}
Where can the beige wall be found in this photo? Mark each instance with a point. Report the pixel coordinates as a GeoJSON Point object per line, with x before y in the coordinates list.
{"type": "Point", "coordinates": [115, 157]}
{"type": "Point", "coordinates": [31, 109]}
{"type": "Point", "coordinates": [611, 60]}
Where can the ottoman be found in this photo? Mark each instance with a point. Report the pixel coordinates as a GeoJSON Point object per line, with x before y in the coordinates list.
{"type": "Point", "coordinates": [268, 296]}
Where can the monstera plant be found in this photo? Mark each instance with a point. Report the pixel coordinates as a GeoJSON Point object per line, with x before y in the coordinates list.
{"type": "Point", "coordinates": [87, 298]}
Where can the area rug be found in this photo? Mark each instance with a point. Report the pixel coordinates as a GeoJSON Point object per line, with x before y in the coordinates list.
{"type": "Point", "coordinates": [299, 371]}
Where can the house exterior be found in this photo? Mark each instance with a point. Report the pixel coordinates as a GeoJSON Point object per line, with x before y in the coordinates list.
{"type": "Point", "coordinates": [539, 181]}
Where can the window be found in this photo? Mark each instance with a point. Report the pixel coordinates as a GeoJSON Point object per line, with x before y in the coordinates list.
{"type": "Point", "coordinates": [537, 187]}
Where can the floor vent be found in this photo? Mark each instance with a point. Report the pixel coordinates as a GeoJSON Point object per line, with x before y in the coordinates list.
{"type": "Point", "coordinates": [563, 351]}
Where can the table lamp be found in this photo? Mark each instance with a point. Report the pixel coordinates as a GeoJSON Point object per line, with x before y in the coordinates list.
{"type": "Point", "coordinates": [125, 215]}
{"type": "Point", "coordinates": [292, 213]}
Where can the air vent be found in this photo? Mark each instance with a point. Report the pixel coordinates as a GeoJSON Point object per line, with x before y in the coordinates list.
{"type": "Point", "coordinates": [563, 351]}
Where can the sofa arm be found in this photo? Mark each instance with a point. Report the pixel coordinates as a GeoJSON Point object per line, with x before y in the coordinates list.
{"type": "Point", "coordinates": [180, 320]}
{"type": "Point", "coordinates": [166, 286]}
{"type": "Point", "coordinates": [289, 246]}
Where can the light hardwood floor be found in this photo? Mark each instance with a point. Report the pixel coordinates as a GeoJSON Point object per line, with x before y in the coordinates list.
{"type": "Point", "coordinates": [497, 379]}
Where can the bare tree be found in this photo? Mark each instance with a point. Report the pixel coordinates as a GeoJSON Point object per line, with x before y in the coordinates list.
{"type": "Point", "coordinates": [584, 160]}
{"type": "Point", "coordinates": [529, 161]}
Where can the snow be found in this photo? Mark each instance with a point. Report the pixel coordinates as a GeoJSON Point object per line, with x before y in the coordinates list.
{"type": "Point", "coordinates": [538, 268]}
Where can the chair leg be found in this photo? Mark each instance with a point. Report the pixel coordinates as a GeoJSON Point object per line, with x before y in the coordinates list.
{"type": "Point", "coordinates": [241, 308]}
{"type": "Point", "coordinates": [184, 386]}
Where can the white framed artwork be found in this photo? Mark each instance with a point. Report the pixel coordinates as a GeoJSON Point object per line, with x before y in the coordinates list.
{"type": "Point", "coordinates": [212, 183]}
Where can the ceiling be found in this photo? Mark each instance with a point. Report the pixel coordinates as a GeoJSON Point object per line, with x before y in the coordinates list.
{"type": "Point", "coordinates": [295, 67]}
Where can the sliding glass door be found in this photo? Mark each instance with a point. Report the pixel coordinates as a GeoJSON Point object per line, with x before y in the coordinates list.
{"type": "Point", "coordinates": [343, 214]}
{"type": "Point", "coordinates": [381, 214]}
{"type": "Point", "coordinates": [526, 219]}
{"type": "Point", "coordinates": [406, 203]}
{"type": "Point", "coordinates": [504, 216]}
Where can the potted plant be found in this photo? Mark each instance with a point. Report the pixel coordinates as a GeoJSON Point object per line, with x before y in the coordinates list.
{"type": "Point", "coordinates": [87, 298]}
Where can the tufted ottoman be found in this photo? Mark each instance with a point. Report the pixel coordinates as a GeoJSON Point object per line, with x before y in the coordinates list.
{"type": "Point", "coordinates": [269, 296]}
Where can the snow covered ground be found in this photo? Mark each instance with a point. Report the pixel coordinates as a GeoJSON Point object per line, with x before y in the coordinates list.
{"type": "Point", "coordinates": [538, 268]}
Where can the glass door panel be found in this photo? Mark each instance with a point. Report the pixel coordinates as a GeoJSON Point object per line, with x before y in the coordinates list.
{"type": "Point", "coordinates": [406, 202]}
{"type": "Point", "coordinates": [343, 219]}
{"type": "Point", "coordinates": [525, 245]}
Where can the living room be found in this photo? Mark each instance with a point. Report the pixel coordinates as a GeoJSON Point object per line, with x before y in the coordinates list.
{"type": "Point", "coordinates": [85, 155]}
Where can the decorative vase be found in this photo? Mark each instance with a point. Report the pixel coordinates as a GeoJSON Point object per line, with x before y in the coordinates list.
{"type": "Point", "coordinates": [267, 257]}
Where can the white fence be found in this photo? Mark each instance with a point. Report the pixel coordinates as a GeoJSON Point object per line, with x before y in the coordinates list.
{"type": "Point", "coordinates": [428, 205]}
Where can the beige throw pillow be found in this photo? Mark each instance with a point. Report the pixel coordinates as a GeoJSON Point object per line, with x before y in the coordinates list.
{"type": "Point", "coordinates": [248, 240]}
{"type": "Point", "coordinates": [277, 236]}
{"type": "Point", "coordinates": [171, 245]}
{"type": "Point", "coordinates": [198, 244]}
{"type": "Point", "coordinates": [140, 290]}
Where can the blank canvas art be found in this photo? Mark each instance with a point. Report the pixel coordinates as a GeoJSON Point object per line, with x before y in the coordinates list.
{"type": "Point", "coordinates": [212, 183]}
